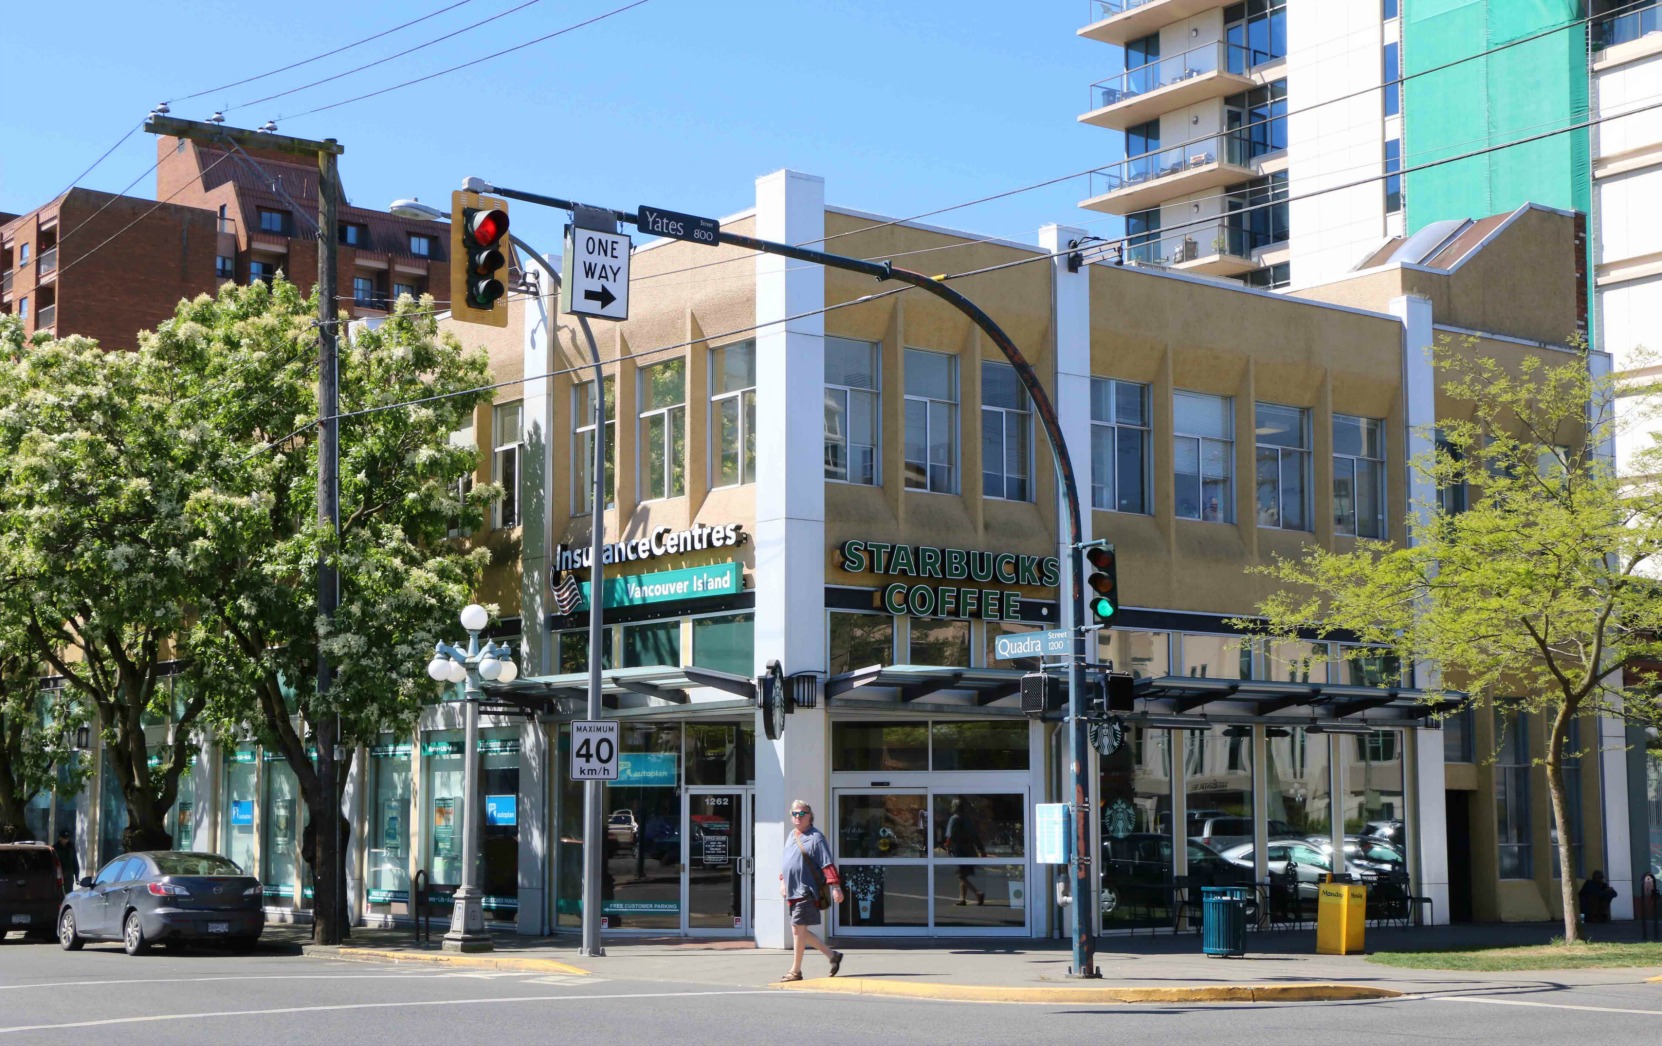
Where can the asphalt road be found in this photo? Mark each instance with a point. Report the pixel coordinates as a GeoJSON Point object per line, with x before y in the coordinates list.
{"type": "Point", "coordinates": [101, 996]}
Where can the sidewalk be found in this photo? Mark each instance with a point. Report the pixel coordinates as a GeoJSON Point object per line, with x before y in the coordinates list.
{"type": "Point", "coordinates": [1164, 967]}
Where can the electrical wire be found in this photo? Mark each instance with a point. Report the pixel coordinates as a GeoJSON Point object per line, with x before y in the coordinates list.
{"type": "Point", "coordinates": [475, 62]}
{"type": "Point", "coordinates": [158, 204]}
{"type": "Point", "coordinates": [383, 61]}
{"type": "Point", "coordinates": [320, 57]}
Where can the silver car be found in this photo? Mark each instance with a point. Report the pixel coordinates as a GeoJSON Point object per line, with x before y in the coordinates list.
{"type": "Point", "coordinates": [163, 895]}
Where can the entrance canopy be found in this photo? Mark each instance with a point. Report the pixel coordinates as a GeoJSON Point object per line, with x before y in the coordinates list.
{"type": "Point", "coordinates": [623, 691]}
{"type": "Point", "coordinates": [1170, 701]}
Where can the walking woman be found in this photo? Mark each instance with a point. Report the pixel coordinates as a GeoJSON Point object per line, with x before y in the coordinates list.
{"type": "Point", "coordinates": [805, 876]}
{"type": "Point", "coordinates": [963, 839]}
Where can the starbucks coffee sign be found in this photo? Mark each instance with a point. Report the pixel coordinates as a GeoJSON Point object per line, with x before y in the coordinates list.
{"type": "Point", "coordinates": [975, 571]}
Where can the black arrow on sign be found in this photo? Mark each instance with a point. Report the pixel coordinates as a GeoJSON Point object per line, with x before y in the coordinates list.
{"type": "Point", "coordinates": [604, 296]}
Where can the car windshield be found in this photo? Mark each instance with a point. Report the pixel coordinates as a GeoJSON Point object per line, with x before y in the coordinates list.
{"type": "Point", "coordinates": [194, 864]}
{"type": "Point", "coordinates": [24, 860]}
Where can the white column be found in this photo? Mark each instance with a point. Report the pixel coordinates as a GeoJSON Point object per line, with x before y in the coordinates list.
{"type": "Point", "coordinates": [1428, 827]}
{"type": "Point", "coordinates": [210, 775]}
{"type": "Point", "coordinates": [1071, 307]}
{"type": "Point", "coordinates": [790, 521]}
{"type": "Point", "coordinates": [352, 808]}
{"type": "Point", "coordinates": [535, 651]}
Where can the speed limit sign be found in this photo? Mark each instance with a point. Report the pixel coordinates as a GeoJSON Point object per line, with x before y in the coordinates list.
{"type": "Point", "coordinates": [594, 750]}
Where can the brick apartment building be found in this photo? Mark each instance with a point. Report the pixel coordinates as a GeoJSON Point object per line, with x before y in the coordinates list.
{"type": "Point", "coordinates": [73, 266]}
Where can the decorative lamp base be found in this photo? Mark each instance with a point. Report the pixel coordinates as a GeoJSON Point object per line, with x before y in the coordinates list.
{"type": "Point", "coordinates": [467, 924]}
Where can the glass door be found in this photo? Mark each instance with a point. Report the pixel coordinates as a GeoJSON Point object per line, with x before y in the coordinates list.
{"type": "Point", "coordinates": [716, 861]}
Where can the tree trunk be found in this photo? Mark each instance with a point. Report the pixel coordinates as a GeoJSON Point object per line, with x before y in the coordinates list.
{"type": "Point", "coordinates": [1561, 821]}
{"type": "Point", "coordinates": [13, 803]}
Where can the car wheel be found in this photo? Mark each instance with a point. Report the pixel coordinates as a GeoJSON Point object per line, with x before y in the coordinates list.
{"type": "Point", "coordinates": [132, 935]}
{"type": "Point", "coordinates": [68, 939]}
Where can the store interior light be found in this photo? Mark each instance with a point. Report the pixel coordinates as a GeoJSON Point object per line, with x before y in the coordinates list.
{"type": "Point", "coordinates": [1176, 722]}
{"type": "Point", "coordinates": [1339, 728]}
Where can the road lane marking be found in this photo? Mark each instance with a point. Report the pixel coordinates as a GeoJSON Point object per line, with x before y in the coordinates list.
{"type": "Point", "coordinates": [157, 1018]}
{"type": "Point", "coordinates": [1545, 1005]}
{"type": "Point", "coordinates": [390, 975]}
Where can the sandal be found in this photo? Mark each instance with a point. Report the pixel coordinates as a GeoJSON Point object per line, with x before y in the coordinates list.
{"type": "Point", "coordinates": [790, 977]}
{"type": "Point", "coordinates": [836, 962]}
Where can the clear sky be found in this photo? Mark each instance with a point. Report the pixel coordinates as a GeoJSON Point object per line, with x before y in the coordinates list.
{"type": "Point", "coordinates": [901, 105]}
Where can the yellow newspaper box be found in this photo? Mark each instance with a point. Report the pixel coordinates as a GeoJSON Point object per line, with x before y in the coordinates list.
{"type": "Point", "coordinates": [1340, 911]}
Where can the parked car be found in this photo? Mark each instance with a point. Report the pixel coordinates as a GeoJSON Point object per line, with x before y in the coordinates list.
{"type": "Point", "coordinates": [623, 829]}
{"type": "Point", "coordinates": [163, 895]}
{"type": "Point", "coordinates": [1310, 862]}
{"type": "Point", "coordinates": [31, 888]}
{"type": "Point", "coordinates": [1222, 831]}
{"type": "Point", "coordinates": [1364, 854]}
{"type": "Point", "coordinates": [661, 840]}
{"type": "Point", "coordinates": [1137, 870]}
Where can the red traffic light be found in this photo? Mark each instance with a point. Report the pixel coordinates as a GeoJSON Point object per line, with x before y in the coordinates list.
{"type": "Point", "coordinates": [486, 228]}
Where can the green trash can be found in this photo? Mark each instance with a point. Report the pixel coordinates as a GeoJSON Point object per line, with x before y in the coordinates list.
{"type": "Point", "coordinates": [1223, 915]}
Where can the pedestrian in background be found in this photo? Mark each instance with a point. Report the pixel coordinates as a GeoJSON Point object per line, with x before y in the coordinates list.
{"type": "Point", "coordinates": [806, 878]}
{"type": "Point", "coordinates": [68, 863]}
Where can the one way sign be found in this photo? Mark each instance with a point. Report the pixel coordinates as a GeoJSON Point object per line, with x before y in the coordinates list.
{"type": "Point", "coordinates": [596, 274]}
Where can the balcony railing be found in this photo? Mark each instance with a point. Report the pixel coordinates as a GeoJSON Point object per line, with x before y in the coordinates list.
{"type": "Point", "coordinates": [48, 261]}
{"type": "Point", "coordinates": [1101, 9]}
{"type": "Point", "coordinates": [1630, 26]}
{"type": "Point", "coordinates": [1163, 72]}
{"type": "Point", "coordinates": [1239, 148]}
{"type": "Point", "coordinates": [46, 318]}
{"type": "Point", "coordinates": [1193, 244]}
{"type": "Point", "coordinates": [6, 282]}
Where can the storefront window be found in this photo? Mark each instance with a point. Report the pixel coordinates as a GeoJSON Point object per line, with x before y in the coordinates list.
{"type": "Point", "coordinates": [1296, 774]}
{"type": "Point", "coordinates": [721, 753]}
{"type": "Point", "coordinates": [1134, 797]}
{"type": "Point", "coordinates": [1375, 802]}
{"type": "Point", "coordinates": [642, 886]}
{"type": "Point", "coordinates": [1217, 657]}
{"type": "Point", "coordinates": [882, 825]}
{"type": "Point", "coordinates": [1217, 783]}
{"type": "Point", "coordinates": [1653, 803]}
{"type": "Point", "coordinates": [181, 820]}
{"type": "Point", "coordinates": [860, 641]}
{"type": "Point", "coordinates": [979, 745]}
{"type": "Point", "coordinates": [940, 642]}
{"type": "Point", "coordinates": [389, 825]}
{"type": "Point", "coordinates": [657, 643]}
{"type": "Point", "coordinates": [112, 813]}
{"type": "Point", "coordinates": [442, 816]}
{"type": "Point", "coordinates": [725, 644]}
{"type": "Point", "coordinates": [1294, 662]}
{"type": "Point", "coordinates": [499, 831]}
{"type": "Point", "coordinates": [896, 746]}
{"type": "Point", "coordinates": [236, 819]}
{"type": "Point", "coordinates": [280, 836]}
{"type": "Point", "coordinates": [972, 887]}
{"type": "Point", "coordinates": [1146, 655]}
{"type": "Point", "coordinates": [1512, 768]}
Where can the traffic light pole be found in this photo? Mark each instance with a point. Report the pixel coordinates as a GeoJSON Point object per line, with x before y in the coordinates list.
{"type": "Point", "coordinates": [1073, 608]}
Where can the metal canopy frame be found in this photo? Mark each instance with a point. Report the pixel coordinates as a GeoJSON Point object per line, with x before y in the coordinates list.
{"type": "Point", "coordinates": [649, 688]}
{"type": "Point", "coordinates": [1285, 703]}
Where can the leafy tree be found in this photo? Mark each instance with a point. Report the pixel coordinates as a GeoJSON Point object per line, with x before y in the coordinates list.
{"type": "Point", "coordinates": [1534, 597]}
{"type": "Point", "coordinates": [99, 560]}
{"type": "Point", "coordinates": [36, 729]}
{"type": "Point", "coordinates": [246, 359]}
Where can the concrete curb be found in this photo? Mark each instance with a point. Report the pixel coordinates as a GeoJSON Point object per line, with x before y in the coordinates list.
{"type": "Point", "coordinates": [1309, 992]}
{"type": "Point", "coordinates": [474, 961]}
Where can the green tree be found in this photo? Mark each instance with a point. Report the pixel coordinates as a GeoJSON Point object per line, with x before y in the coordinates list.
{"type": "Point", "coordinates": [247, 358]}
{"type": "Point", "coordinates": [99, 560]}
{"type": "Point", "coordinates": [36, 732]}
{"type": "Point", "coordinates": [1533, 598]}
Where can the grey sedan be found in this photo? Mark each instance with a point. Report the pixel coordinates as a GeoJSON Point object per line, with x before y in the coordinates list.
{"type": "Point", "coordinates": [163, 895]}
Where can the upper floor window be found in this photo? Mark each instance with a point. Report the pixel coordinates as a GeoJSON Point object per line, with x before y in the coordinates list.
{"type": "Point", "coordinates": [733, 410]}
{"type": "Point", "coordinates": [1393, 176]}
{"type": "Point", "coordinates": [421, 246]}
{"type": "Point", "coordinates": [1142, 236]}
{"type": "Point", "coordinates": [363, 290]}
{"type": "Point", "coordinates": [225, 267]}
{"type": "Point", "coordinates": [1203, 456]}
{"type": "Point", "coordinates": [1358, 476]}
{"type": "Point", "coordinates": [663, 420]}
{"type": "Point", "coordinates": [1393, 76]}
{"type": "Point", "coordinates": [23, 308]}
{"type": "Point", "coordinates": [851, 410]}
{"type": "Point", "coordinates": [1140, 72]}
{"type": "Point", "coordinates": [1257, 122]}
{"type": "Point", "coordinates": [1270, 277]}
{"type": "Point", "coordinates": [1390, 9]}
{"type": "Point", "coordinates": [582, 448]}
{"type": "Point", "coordinates": [1283, 478]}
{"type": "Point", "coordinates": [1455, 495]}
{"type": "Point", "coordinates": [274, 221]}
{"type": "Point", "coordinates": [931, 421]}
{"type": "Point", "coordinates": [1119, 445]}
{"type": "Point", "coordinates": [1256, 32]}
{"type": "Point", "coordinates": [505, 447]}
{"type": "Point", "coordinates": [353, 235]}
{"type": "Point", "coordinates": [1006, 434]}
{"type": "Point", "coordinates": [262, 270]}
{"type": "Point", "coordinates": [1142, 138]}
{"type": "Point", "coordinates": [22, 255]}
{"type": "Point", "coordinates": [1257, 215]}
{"type": "Point", "coordinates": [1513, 832]}
{"type": "Point", "coordinates": [399, 290]}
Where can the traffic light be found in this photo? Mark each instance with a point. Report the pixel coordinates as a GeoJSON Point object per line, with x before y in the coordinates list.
{"type": "Point", "coordinates": [478, 258]}
{"type": "Point", "coordinates": [1102, 593]}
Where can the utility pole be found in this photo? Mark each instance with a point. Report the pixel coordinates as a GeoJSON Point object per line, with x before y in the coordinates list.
{"type": "Point", "coordinates": [329, 905]}
{"type": "Point", "coordinates": [1073, 607]}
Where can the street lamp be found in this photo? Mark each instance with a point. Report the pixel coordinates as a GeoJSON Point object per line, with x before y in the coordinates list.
{"type": "Point", "coordinates": [492, 662]}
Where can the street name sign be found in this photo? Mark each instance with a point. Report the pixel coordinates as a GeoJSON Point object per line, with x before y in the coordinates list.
{"type": "Point", "coordinates": [1054, 643]}
{"type": "Point", "coordinates": [594, 750]}
{"type": "Point", "coordinates": [595, 281]}
{"type": "Point", "coordinates": [678, 226]}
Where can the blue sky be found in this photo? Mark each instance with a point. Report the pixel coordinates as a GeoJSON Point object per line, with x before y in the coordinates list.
{"type": "Point", "coordinates": [902, 105]}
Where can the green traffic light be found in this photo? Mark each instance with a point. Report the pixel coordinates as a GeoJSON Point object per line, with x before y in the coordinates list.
{"type": "Point", "coordinates": [1103, 608]}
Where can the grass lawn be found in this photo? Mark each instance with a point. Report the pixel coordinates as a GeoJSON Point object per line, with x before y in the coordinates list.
{"type": "Point", "coordinates": [1555, 956]}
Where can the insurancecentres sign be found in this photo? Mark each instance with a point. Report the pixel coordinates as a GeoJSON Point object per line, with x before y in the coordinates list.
{"type": "Point", "coordinates": [951, 564]}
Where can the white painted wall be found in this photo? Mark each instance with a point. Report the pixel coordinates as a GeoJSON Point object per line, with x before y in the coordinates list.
{"type": "Point", "coordinates": [1335, 48]}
